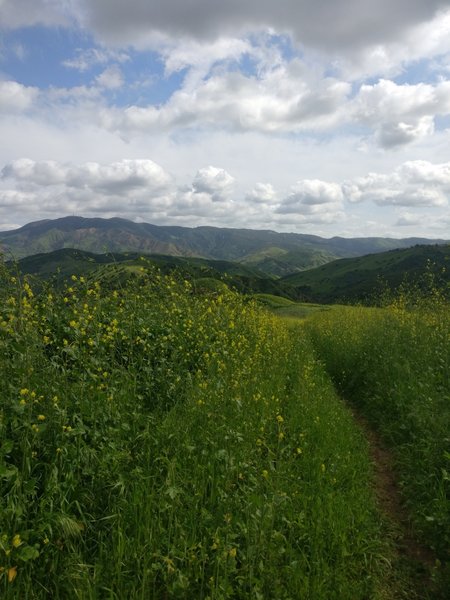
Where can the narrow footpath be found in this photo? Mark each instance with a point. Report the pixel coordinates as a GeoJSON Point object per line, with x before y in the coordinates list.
{"type": "Point", "coordinates": [412, 562]}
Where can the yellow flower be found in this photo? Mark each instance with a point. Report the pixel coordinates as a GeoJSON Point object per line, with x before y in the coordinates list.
{"type": "Point", "coordinates": [265, 473]}
{"type": "Point", "coordinates": [232, 552]}
{"type": "Point", "coordinates": [24, 391]}
{"type": "Point", "coordinates": [16, 541]}
{"type": "Point", "coordinates": [12, 574]}
{"type": "Point", "coordinates": [41, 417]}
{"type": "Point", "coordinates": [280, 419]}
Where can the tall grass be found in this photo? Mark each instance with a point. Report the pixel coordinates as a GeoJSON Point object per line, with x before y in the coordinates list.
{"type": "Point", "coordinates": [393, 363]}
{"type": "Point", "coordinates": [156, 443]}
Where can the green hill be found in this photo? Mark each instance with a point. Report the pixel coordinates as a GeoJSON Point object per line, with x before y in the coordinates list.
{"type": "Point", "coordinates": [61, 264]}
{"type": "Point", "coordinates": [276, 254]}
{"type": "Point", "coordinates": [364, 277]}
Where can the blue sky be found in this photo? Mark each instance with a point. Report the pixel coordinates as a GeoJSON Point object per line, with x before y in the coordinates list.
{"type": "Point", "coordinates": [330, 118]}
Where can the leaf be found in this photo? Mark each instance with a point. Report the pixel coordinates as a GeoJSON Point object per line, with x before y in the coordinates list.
{"type": "Point", "coordinates": [172, 492]}
{"type": "Point", "coordinates": [7, 446]}
{"type": "Point", "coordinates": [7, 473]}
{"type": "Point", "coordinates": [28, 553]}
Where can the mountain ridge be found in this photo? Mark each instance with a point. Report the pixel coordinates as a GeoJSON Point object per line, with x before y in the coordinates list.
{"type": "Point", "coordinates": [275, 253]}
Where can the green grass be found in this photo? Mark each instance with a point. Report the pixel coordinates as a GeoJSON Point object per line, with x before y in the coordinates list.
{"type": "Point", "coordinates": [161, 443]}
{"type": "Point", "coordinates": [393, 364]}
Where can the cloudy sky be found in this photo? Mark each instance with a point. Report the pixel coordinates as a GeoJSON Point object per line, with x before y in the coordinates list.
{"type": "Point", "coordinates": [329, 117]}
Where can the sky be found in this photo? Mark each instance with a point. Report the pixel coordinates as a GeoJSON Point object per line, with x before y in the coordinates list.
{"type": "Point", "coordinates": [328, 117]}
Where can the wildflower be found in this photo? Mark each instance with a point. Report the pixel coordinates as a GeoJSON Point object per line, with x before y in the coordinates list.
{"type": "Point", "coordinates": [35, 428]}
{"type": "Point", "coordinates": [265, 473]}
{"type": "Point", "coordinates": [41, 417]}
{"type": "Point", "coordinates": [12, 574]}
{"type": "Point", "coordinates": [24, 391]}
{"type": "Point", "coordinates": [232, 552]}
{"type": "Point", "coordinates": [16, 541]}
{"type": "Point", "coordinates": [280, 419]}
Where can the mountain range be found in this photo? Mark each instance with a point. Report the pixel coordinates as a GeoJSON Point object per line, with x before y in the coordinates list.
{"type": "Point", "coordinates": [275, 254]}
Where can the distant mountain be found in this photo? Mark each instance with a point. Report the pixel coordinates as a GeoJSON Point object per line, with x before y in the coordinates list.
{"type": "Point", "coordinates": [273, 253]}
{"type": "Point", "coordinates": [364, 277]}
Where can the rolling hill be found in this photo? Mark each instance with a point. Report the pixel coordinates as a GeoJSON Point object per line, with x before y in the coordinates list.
{"type": "Point", "coordinates": [276, 254]}
{"type": "Point", "coordinates": [363, 278]}
{"type": "Point", "coordinates": [59, 265]}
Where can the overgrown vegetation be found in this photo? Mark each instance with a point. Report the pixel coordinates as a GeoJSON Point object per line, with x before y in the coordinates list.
{"type": "Point", "coordinates": [161, 443]}
{"type": "Point", "coordinates": [393, 364]}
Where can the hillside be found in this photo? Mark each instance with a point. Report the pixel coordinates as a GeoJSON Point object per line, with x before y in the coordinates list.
{"type": "Point", "coordinates": [59, 265]}
{"type": "Point", "coordinates": [273, 253]}
{"type": "Point", "coordinates": [364, 277]}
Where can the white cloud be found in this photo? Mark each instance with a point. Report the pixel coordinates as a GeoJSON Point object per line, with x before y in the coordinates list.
{"type": "Point", "coordinates": [111, 78]}
{"type": "Point", "coordinates": [15, 97]}
{"type": "Point", "coordinates": [262, 193]}
{"type": "Point", "coordinates": [415, 183]}
{"type": "Point", "coordinates": [202, 55]}
{"type": "Point", "coordinates": [117, 178]}
{"type": "Point", "coordinates": [311, 195]}
{"type": "Point", "coordinates": [401, 113]}
{"type": "Point", "coordinates": [288, 98]}
{"type": "Point", "coordinates": [213, 181]}
{"type": "Point", "coordinates": [311, 201]}
{"type": "Point", "coordinates": [86, 59]}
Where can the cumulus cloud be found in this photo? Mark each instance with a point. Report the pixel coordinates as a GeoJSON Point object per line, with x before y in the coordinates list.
{"type": "Point", "coordinates": [133, 188]}
{"type": "Point", "coordinates": [262, 193]}
{"type": "Point", "coordinates": [309, 194]}
{"type": "Point", "coordinates": [15, 97]}
{"type": "Point", "coordinates": [286, 99]}
{"type": "Point", "coordinates": [312, 201]}
{"type": "Point", "coordinates": [414, 183]}
{"type": "Point", "coordinates": [213, 181]}
{"type": "Point", "coordinates": [114, 179]}
{"type": "Point", "coordinates": [401, 113]}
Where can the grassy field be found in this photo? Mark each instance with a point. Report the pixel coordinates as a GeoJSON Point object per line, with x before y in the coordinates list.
{"type": "Point", "coordinates": [393, 364]}
{"type": "Point", "coordinates": [160, 443]}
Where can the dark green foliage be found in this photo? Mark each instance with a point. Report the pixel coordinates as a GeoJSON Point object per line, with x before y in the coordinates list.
{"type": "Point", "coordinates": [364, 279]}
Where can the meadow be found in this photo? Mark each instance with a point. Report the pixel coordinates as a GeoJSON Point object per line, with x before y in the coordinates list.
{"type": "Point", "coordinates": [158, 441]}
{"type": "Point", "coordinates": [392, 365]}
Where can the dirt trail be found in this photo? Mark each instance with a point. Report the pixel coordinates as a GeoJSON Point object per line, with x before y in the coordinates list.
{"type": "Point", "coordinates": [419, 559]}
